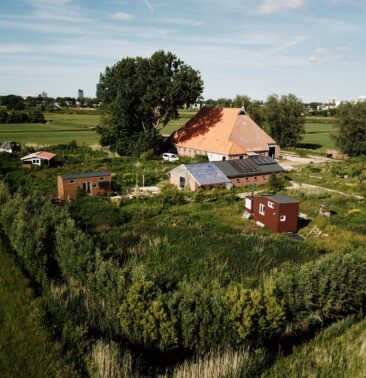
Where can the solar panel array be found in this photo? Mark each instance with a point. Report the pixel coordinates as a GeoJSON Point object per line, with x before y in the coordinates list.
{"type": "Point", "coordinates": [244, 165]}
{"type": "Point", "coordinates": [263, 160]}
{"type": "Point", "coordinates": [206, 174]}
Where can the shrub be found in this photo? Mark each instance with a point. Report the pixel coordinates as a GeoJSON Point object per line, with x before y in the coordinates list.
{"type": "Point", "coordinates": [171, 195]}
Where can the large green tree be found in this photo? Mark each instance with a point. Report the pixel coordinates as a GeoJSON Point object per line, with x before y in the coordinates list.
{"type": "Point", "coordinates": [352, 129]}
{"type": "Point", "coordinates": [141, 95]}
{"type": "Point", "coordinates": [285, 119]}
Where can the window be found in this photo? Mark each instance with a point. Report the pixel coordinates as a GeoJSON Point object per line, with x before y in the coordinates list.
{"type": "Point", "coordinates": [247, 179]}
{"type": "Point", "coordinates": [262, 207]}
{"type": "Point", "coordinates": [241, 157]}
{"type": "Point", "coordinates": [237, 180]}
{"type": "Point", "coordinates": [94, 185]}
{"type": "Point", "coordinates": [224, 158]}
{"type": "Point", "coordinates": [255, 178]}
{"type": "Point", "coordinates": [101, 178]}
{"type": "Point", "coordinates": [283, 218]}
{"type": "Point", "coordinates": [270, 204]}
{"type": "Point", "coordinates": [72, 182]}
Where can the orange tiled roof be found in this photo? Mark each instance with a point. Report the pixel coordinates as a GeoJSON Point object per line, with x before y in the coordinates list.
{"type": "Point", "coordinates": [224, 131]}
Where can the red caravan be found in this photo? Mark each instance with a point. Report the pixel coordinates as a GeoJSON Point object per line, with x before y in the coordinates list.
{"type": "Point", "coordinates": [279, 213]}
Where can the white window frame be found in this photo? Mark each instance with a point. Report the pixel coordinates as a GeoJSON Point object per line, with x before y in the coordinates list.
{"type": "Point", "coordinates": [270, 205]}
{"type": "Point", "coordinates": [262, 208]}
{"type": "Point", "coordinates": [283, 218]}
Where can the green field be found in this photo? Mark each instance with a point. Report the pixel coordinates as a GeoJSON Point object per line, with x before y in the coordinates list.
{"type": "Point", "coordinates": [60, 128]}
{"type": "Point", "coordinates": [24, 348]}
{"type": "Point", "coordinates": [318, 135]}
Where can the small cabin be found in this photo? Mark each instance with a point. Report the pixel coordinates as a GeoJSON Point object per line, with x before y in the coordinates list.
{"type": "Point", "coordinates": [38, 159]}
{"type": "Point", "coordinates": [91, 183]}
{"type": "Point", "coordinates": [279, 213]}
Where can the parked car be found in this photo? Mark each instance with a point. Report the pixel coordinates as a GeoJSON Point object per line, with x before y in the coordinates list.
{"type": "Point", "coordinates": [167, 156]}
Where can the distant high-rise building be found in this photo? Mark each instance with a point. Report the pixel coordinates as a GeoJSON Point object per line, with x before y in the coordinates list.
{"type": "Point", "coordinates": [80, 94]}
{"type": "Point", "coordinates": [97, 91]}
{"type": "Point", "coordinates": [43, 94]}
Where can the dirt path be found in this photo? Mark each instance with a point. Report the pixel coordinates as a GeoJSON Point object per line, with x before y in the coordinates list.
{"type": "Point", "coordinates": [297, 185]}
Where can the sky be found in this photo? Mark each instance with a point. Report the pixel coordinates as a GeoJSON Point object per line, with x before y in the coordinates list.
{"type": "Point", "coordinates": [315, 49]}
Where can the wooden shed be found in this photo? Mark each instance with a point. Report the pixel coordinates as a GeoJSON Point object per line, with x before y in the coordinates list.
{"type": "Point", "coordinates": [279, 213]}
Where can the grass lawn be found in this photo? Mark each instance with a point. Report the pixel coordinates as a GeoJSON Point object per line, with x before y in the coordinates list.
{"type": "Point", "coordinates": [24, 348]}
{"type": "Point", "coordinates": [185, 116]}
{"type": "Point", "coordinates": [318, 133]}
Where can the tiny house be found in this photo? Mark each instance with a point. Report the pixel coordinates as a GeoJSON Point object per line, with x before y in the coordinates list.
{"type": "Point", "coordinates": [38, 159]}
{"type": "Point", "coordinates": [9, 147]}
{"type": "Point", "coordinates": [92, 183]}
{"type": "Point", "coordinates": [279, 213]}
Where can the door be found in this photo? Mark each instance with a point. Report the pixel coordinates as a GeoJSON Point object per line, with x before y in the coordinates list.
{"type": "Point", "coordinates": [272, 152]}
{"type": "Point", "coordinates": [87, 187]}
{"type": "Point", "coordinates": [182, 182]}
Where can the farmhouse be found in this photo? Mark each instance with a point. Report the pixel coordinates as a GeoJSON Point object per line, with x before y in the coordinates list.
{"type": "Point", "coordinates": [38, 159]}
{"type": "Point", "coordinates": [254, 170]}
{"type": "Point", "coordinates": [92, 183]}
{"type": "Point", "coordinates": [279, 213]}
{"type": "Point", "coordinates": [9, 147]}
{"type": "Point", "coordinates": [223, 134]}
{"type": "Point", "coordinates": [195, 176]}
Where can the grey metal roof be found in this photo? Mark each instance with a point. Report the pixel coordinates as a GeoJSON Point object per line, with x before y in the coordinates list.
{"type": "Point", "coordinates": [206, 174]}
{"type": "Point", "coordinates": [279, 199]}
{"type": "Point", "coordinates": [8, 144]}
{"type": "Point", "coordinates": [248, 167]}
{"type": "Point", "coordinates": [85, 175]}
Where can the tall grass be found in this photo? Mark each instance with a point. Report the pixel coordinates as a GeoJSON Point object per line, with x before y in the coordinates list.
{"type": "Point", "coordinates": [338, 351]}
{"type": "Point", "coordinates": [229, 363]}
{"type": "Point", "coordinates": [109, 362]}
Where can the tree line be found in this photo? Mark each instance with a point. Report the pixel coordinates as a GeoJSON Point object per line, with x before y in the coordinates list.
{"type": "Point", "coordinates": [17, 116]}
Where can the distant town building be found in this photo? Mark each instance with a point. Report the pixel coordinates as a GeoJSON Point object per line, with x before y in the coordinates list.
{"type": "Point", "coordinates": [361, 99]}
{"type": "Point", "coordinates": [97, 91]}
{"type": "Point", "coordinates": [43, 94]}
{"type": "Point", "coordinates": [80, 94]}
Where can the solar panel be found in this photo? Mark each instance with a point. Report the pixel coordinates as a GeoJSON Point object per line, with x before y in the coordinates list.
{"type": "Point", "coordinates": [262, 160]}
{"type": "Point", "coordinates": [206, 174]}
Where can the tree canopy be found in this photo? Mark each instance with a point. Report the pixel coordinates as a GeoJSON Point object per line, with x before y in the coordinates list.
{"type": "Point", "coordinates": [285, 119]}
{"type": "Point", "coordinates": [141, 95]}
{"type": "Point", "coordinates": [352, 129]}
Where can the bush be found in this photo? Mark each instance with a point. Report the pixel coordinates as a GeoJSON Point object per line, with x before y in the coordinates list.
{"type": "Point", "coordinates": [276, 183]}
{"type": "Point", "coordinates": [171, 195]}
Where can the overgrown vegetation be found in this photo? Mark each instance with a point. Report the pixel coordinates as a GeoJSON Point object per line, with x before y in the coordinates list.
{"type": "Point", "coordinates": [175, 283]}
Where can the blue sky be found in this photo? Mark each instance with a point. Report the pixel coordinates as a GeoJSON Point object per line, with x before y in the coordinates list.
{"type": "Point", "coordinates": [313, 48]}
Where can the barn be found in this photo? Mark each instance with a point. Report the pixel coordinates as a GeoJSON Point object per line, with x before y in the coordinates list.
{"type": "Point", "coordinates": [196, 176]}
{"type": "Point", "coordinates": [223, 134]}
{"type": "Point", "coordinates": [254, 170]}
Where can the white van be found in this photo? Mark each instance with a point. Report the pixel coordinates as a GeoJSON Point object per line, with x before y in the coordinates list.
{"type": "Point", "coordinates": [167, 156]}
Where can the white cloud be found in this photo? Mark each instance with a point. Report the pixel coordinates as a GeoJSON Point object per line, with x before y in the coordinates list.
{"type": "Point", "coordinates": [182, 21]}
{"type": "Point", "coordinates": [121, 16]}
{"type": "Point", "coordinates": [323, 54]}
{"type": "Point", "coordinates": [273, 6]}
